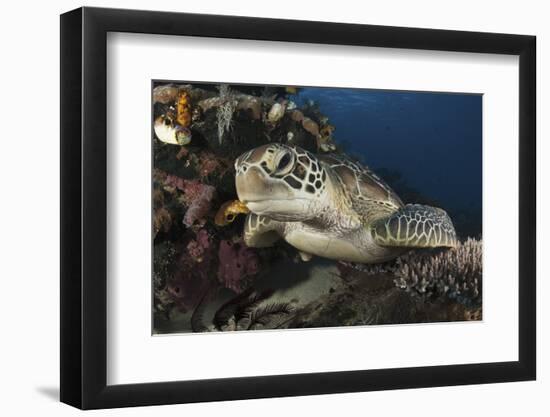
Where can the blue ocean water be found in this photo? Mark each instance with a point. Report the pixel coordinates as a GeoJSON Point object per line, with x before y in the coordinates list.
{"type": "Point", "coordinates": [433, 140]}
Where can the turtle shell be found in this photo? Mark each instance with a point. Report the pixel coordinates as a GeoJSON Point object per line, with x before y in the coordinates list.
{"type": "Point", "coordinates": [369, 195]}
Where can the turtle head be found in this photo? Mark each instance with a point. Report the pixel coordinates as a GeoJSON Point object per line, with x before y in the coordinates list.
{"type": "Point", "coordinates": [281, 182]}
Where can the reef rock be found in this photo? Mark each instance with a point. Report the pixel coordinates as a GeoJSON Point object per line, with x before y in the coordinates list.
{"type": "Point", "coordinates": [236, 263]}
{"type": "Point", "coordinates": [276, 113]}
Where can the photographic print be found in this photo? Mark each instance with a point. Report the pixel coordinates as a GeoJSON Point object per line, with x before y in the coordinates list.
{"type": "Point", "coordinates": [286, 207]}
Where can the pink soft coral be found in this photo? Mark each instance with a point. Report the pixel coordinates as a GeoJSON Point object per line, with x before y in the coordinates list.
{"type": "Point", "coordinates": [199, 207]}
{"type": "Point", "coordinates": [209, 164]}
{"type": "Point", "coordinates": [236, 262]}
{"type": "Point", "coordinates": [193, 277]}
{"type": "Point", "coordinates": [196, 195]}
{"type": "Point", "coordinates": [198, 248]}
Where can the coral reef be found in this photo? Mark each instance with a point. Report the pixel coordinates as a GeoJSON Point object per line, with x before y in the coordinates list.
{"type": "Point", "coordinates": [456, 272]}
{"type": "Point", "coordinates": [199, 197]}
{"type": "Point", "coordinates": [237, 262]}
{"type": "Point", "coordinates": [199, 130]}
{"type": "Point", "coordinates": [162, 219]}
{"type": "Point", "coordinates": [191, 277]}
{"type": "Point", "coordinates": [226, 115]}
{"type": "Point", "coordinates": [276, 112]}
{"type": "Point", "coordinates": [184, 289]}
{"type": "Point", "coordinates": [249, 310]}
{"type": "Point", "coordinates": [184, 109]}
{"type": "Point", "coordinates": [172, 126]}
{"type": "Point", "coordinates": [296, 116]}
{"type": "Point", "coordinates": [225, 111]}
{"type": "Point", "coordinates": [163, 261]}
{"type": "Point", "coordinates": [168, 131]}
{"type": "Point", "coordinates": [310, 126]}
{"type": "Point", "coordinates": [209, 164]}
{"type": "Point", "coordinates": [206, 278]}
{"type": "Point", "coordinates": [196, 196]}
{"type": "Point", "coordinates": [198, 247]}
{"type": "Point", "coordinates": [165, 94]}
{"type": "Point", "coordinates": [360, 300]}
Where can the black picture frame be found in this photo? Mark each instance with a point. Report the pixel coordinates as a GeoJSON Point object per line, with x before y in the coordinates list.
{"type": "Point", "coordinates": [84, 207]}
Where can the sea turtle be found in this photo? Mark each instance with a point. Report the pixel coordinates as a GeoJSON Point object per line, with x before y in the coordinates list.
{"type": "Point", "coordinates": [329, 206]}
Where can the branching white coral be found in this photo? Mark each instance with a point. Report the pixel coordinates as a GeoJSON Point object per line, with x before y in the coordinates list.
{"type": "Point", "coordinates": [456, 272]}
{"type": "Point", "coordinates": [225, 91]}
{"type": "Point", "coordinates": [224, 115]}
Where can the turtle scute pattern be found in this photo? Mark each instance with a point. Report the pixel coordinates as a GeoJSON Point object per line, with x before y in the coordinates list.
{"type": "Point", "coordinates": [369, 195]}
{"type": "Point", "coordinates": [307, 175]}
{"type": "Point", "coordinates": [416, 226]}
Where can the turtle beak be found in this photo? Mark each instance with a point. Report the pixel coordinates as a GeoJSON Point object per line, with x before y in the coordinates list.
{"type": "Point", "coordinates": [250, 184]}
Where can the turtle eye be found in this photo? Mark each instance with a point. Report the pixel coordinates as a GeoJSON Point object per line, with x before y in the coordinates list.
{"type": "Point", "coordinates": [285, 164]}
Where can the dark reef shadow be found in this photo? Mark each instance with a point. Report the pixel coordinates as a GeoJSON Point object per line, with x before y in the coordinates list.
{"type": "Point", "coordinates": [287, 274]}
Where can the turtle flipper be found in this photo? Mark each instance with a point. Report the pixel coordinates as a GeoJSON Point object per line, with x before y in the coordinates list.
{"type": "Point", "coordinates": [415, 226]}
{"type": "Point", "coordinates": [260, 231]}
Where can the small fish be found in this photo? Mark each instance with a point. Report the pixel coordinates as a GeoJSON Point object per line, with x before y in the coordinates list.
{"type": "Point", "coordinates": [169, 132]}
{"type": "Point", "coordinates": [229, 211]}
